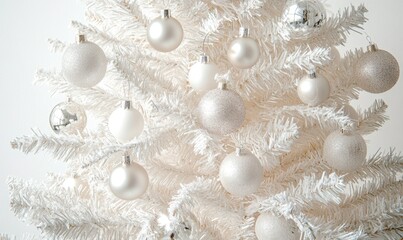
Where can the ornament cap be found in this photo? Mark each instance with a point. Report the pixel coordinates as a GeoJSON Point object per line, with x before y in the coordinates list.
{"type": "Point", "coordinates": [166, 13]}
{"type": "Point", "coordinates": [204, 58]}
{"type": "Point", "coordinates": [126, 159]}
{"type": "Point", "coordinates": [312, 74]}
{"type": "Point", "coordinates": [238, 151]}
{"type": "Point", "coordinates": [127, 104]}
{"type": "Point", "coordinates": [222, 86]}
{"type": "Point", "coordinates": [243, 32]}
{"type": "Point", "coordinates": [372, 47]}
{"type": "Point", "coordinates": [81, 38]}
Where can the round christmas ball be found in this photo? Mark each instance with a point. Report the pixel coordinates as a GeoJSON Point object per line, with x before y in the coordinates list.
{"type": "Point", "coordinates": [377, 70]}
{"type": "Point", "coordinates": [165, 33]}
{"type": "Point", "coordinates": [313, 89]}
{"type": "Point", "coordinates": [84, 63]}
{"type": "Point", "coordinates": [345, 151]}
{"type": "Point", "coordinates": [243, 52]}
{"type": "Point", "coordinates": [241, 173]}
{"type": "Point", "coordinates": [128, 181]}
{"type": "Point", "coordinates": [271, 227]}
{"type": "Point", "coordinates": [68, 117]}
{"type": "Point", "coordinates": [126, 123]}
{"type": "Point", "coordinates": [202, 75]}
{"type": "Point", "coordinates": [303, 18]}
{"type": "Point", "coordinates": [221, 111]}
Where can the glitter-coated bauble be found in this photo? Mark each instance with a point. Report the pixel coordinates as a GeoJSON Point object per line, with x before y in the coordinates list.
{"type": "Point", "coordinates": [68, 117]}
{"type": "Point", "coordinates": [202, 75]}
{"type": "Point", "coordinates": [304, 17]}
{"type": "Point", "coordinates": [313, 90]}
{"type": "Point", "coordinates": [221, 111]}
{"type": "Point", "coordinates": [241, 173]}
{"type": "Point", "coordinates": [270, 227]}
{"type": "Point", "coordinates": [345, 151]}
{"type": "Point", "coordinates": [165, 33]}
{"type": "Point", "coordinates": [128, 181]}
{"type": "Point", "coordinates": [377, 71]}
{"type": "Point", "coordinates": [84, 64]}
{"type": "Point", "coordinates": [243, 52]}
{"type": "Point", "coordinates": [126, 123]}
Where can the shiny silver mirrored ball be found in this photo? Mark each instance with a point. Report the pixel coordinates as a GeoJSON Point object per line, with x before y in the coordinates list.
{"type": "Point", "coordinates": [68, 117]}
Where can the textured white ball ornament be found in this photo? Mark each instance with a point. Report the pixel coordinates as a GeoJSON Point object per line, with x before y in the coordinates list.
{"type": "Point", "coordinates": [165, 33]}
{"type": "Point", "coordinates": [243, 52]}
{"type": "Point", "coordinates": [126, 123]}
{"type": "Point", "coordinates": [270, 227]}
{"type": "Point", "coordinates": [221, 111]}
{"type": "Point", "coordinates": [241, 173]}
{"type": "Point", "coordinates": [128, 181]}
{"type": "Point", "coordinates": [345, 151]}
{"type": "Point", "coordinates": [84, 63]}
{"type": "Point", "coordinates": [377, 70]}
{"type": "Point", "coordinates": [313, 89]}
{"type": "Point", "coordinates": [202, 75]}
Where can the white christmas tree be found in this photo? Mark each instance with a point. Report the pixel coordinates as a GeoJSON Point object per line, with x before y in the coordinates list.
{"type": "Point", "coordinates": [235, 124]}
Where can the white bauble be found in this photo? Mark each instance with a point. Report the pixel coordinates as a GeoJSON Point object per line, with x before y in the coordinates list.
{"type": "Point", "coordinates": [241, 173]}
{"type": "Point", "coordinates": [345, 151]}
{"type": "Point", "coordinates": [202, 75]}
{"type": "Point", "coordinates": [128, 181]}
{"type": "Point", "coordinates": [68, 117]}
{"type": "Point", "coordinates": [270, 227]}
{"type": "Point", "coordinates": [126, 123]}
{"type": "Point", "coordinates": [313, 89]}
{"type": "Point", "coordinates": [221, 111]}
{"type": "Point", "coordinates": [243, 52]}
{"type": "Point", "coordinates": [84, 63]}
{"type": "Point", "coordinates": [165, 33]}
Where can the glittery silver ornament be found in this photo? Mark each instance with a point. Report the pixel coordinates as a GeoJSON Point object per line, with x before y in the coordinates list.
{"type": "Point", "coordinates": [377, 70]}
{"type": "Point", "coordinates": [84, 63]}
{"type": "Point", "coordinates": [313, 89]}
{"type": "Point", "coordinates": [128, 181]}
{"type": "Point", "coordinates": [243, 52]}
{"type": "Point", "coordinates": [241, 173]}
{"type": "Point", "coordinates": [303, 17]}
{"type": "Point", "coordinates": [271, 227]}
{"type": "Point", "coordinates": [165, 33]}
{"type": "Point", "coordinates": [202, 75]}
{"type": "Point", "coordinates": [345, 151]}
{"type": "Point", "coordinates": [68, 117]}
{"type": "Point", "coordinates": [221, 111]}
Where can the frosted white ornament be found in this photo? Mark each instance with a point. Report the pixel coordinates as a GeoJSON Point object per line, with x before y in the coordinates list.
{"type": "Point", "coordinates": [128, 181]}
{"type": "Point", "coordinates": [68, 117]}
{"type": "Point", "coordinates": [270, 227]}
{"type": "Point", "coordinates": [84, 63]}
{"type": "Point", "coordinates": [126, 123]}
{"type": "Point", "coordinates": [221, 111]}
{"type": "Point", "coordinates": [243, 52]}
{"type": "Point", "coordinates": [241, 173]}
{"type": "Point", "coordinates": [377, 70]}
{"type": "Point", "coordinates": [165, 33]}
{"type": "Point", "coordinates": [345, 151]}
{"type": "Point", "coordinates": [202, 75]}
{"type": "Point", "coordinates": [313, 89]}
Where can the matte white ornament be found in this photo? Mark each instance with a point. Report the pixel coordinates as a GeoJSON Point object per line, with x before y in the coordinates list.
{"type": "Point", "coordinates": [165, 33]}
{"type": "Point", "coordinates": [345, 151]}
{"type": "Point", "coordinates": [241, 173]}
{"type": "Point", "coordinates": [243, 52]}
{"type": "Point", "coordinates": [377, 70]}
{"type": "Point", "coordinates": [313, 89]}
{"type": "Point", "coordinates": [126, 123]}
{"type": "Point", "coordinates": [128, 181]}
{"type": "Point", "coordinates": [202, 75]}
{"type": "Point", "coordinates": [221, 111]}
{"type": "Point", "coordinates": [68, 117]}
{"type": "Point", "coordinates": [270, 227]}
{"type": "Point", "coordinates": [84, 63]}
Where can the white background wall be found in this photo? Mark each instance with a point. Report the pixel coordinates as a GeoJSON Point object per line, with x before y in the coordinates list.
{"type": "Point", "coordinates": [24, 28]}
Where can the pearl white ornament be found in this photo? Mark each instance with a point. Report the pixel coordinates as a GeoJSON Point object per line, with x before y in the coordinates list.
{"type": "Point", "coordinates": [345, 151]}
{"type": "Point", "coordinates": [377, 70]}
{"type": "Point", "coordinates": [241, 173]}
{"type": "Point", "coordinates": [126, 123]}
{"type": "Point", "coordinates": [270, 227]}
{"type": "Point", "coordinates": [221, 111]}
{"type": "Point", "coordinates": [165, 33]}
{"type": "Point", "coordinates": [128, 181]}
{"type": "Point", "coordinates": [313, 89]}
{"type": "Point", "coordinates": [68, 117]}
{"type": "Point", "coordinates": [243, 52]}
{"type": "Point", "coordinates": [202, 75]}
{"type": "Point", "coordinates": [84, 63]}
